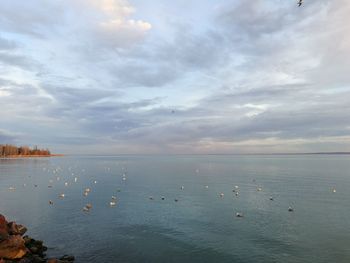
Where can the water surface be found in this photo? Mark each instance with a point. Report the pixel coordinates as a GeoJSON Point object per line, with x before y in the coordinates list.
{"type": "Point", "coordinates": [201, 226]}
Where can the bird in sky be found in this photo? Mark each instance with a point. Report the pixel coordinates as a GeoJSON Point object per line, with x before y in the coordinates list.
{"type": "Point", "coordinates": [300, 2]}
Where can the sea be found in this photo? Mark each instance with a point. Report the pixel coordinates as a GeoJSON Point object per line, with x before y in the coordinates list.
{"type": "Point", "coordinates": [183, 208]}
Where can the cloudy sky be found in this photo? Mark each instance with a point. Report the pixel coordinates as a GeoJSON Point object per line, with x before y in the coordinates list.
{"type": "Point", "coordinates": [155, 76]}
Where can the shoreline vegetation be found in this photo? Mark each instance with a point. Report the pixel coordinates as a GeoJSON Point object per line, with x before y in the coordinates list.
{"type": "Point", "coordinates": [12, 151]}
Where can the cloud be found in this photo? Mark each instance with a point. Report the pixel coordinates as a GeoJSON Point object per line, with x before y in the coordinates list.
{"type": "Point", "coordinates": [7, 137]}
{"type": "Point", "coordinates": [249, 76]}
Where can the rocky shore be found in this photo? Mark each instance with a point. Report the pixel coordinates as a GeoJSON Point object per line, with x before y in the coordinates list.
{"type": "Point", "coordinates": [17, 248]}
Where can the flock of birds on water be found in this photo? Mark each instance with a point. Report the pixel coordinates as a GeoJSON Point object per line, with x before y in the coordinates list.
{"type": "Point", "coordinates": [113, 201]}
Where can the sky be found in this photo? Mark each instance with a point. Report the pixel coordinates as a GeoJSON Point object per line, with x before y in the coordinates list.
{"type": "Point", "coordinates": [163, 77]}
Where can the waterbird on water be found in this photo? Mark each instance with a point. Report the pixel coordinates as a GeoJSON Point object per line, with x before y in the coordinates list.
{"type": "Point", "coordinates": [87, 207]}
{"type": "Point", "coordinates": [290, 209]}
{"type": "Point", "coordinates": [238, 214]}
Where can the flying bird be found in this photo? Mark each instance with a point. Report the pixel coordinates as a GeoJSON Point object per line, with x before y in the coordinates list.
{"type": "Point", "coordinates": [300, 2]}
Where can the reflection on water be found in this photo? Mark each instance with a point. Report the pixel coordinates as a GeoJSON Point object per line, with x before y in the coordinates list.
{"type": "Point", "coordinates": [201, 226]}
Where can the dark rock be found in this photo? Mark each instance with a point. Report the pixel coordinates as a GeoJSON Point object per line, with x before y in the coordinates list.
{"type": "Point", "coordinates": [3, 234]}
{"type": "Point", "coordinates": [34, 249]}
{"type": "Point", "coordinates": [68, 258]}
{"type": "Point", "coordinates": [38, 259]}
{"type": "Point", "coordinates": [15, 229]}
{"type": "Point", "coordinates": [28, 240]}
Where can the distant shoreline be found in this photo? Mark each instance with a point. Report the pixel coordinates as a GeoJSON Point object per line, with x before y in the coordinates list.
{"type": "Point", "coordinates": [30, 156]}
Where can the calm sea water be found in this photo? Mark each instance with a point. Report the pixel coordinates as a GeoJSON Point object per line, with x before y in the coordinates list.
{"type": "Point", "coordinates": [201, 226]}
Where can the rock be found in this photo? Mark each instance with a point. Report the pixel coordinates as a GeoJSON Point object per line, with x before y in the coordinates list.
{"type": "Point", "coordinates": [13, 247]}
{"type": "Point", "coordinates": [3, 235]}
{"type": "Point", "coordinates": [17, 249]}
{"type": "Point", "coordinates": [3, 222]}
{"type": "Point", "coordinates": [34, 249]}
{"type": "Point", "coordinates": [15, 229]}
{"type": "Point", "coordinates": [38, 259]}
{"type": "Point", "coordinates": [3, 228]}
{"type": "Point", "coordinates": [68, 258]}
{"type": "Point", "coordinates": [25, 260]}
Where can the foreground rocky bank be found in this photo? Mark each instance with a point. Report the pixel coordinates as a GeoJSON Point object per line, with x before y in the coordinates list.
{"type": "Point", "coordinates": [17, 248]}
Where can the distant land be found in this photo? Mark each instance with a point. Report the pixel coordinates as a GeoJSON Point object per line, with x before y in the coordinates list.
{"type": "Point", "coordinates": [12, 151]}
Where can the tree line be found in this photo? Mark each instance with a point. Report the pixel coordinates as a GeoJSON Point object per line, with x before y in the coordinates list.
{"type": "Point", "coordinates": [9, 150]}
